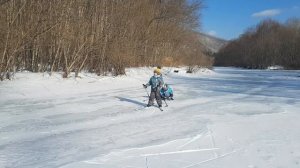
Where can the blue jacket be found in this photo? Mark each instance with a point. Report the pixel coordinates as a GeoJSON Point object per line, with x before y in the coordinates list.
{"type": "Point", "coordinates": [166, 93]}
{"type": "Point", "coordinates": [155, 82]}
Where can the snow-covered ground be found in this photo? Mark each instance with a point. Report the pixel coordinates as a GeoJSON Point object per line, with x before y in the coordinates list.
{"type": "Point", "coordinates": [227, 118]}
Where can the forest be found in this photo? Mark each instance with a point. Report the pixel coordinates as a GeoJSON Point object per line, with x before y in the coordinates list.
{"type": "Point", "coordinates": [98, 36]}
{"type": "Point", "coordinates": [269, 43]}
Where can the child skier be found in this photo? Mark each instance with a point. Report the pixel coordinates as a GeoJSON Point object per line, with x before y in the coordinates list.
{"type": "Point", "coordinates": [156, 84]}
{"type": "Point", "coordinates": [166, 92]}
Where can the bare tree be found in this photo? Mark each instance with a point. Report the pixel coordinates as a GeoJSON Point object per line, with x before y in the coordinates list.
{"type": "Point", "coordinates": [97, 35]}
{"type": "Point", "coordinates": [269, 43]}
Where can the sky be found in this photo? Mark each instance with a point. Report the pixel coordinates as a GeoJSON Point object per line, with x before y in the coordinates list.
{"type": "Point", "coordinates": [228, 19]}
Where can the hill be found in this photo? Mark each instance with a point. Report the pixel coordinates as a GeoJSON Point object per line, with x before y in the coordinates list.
{"type": "Point", "coordinates": [212, 44]}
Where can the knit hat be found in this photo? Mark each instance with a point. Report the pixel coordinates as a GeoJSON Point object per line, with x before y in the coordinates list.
{"type": "Point", "coordinates": [157, 71]}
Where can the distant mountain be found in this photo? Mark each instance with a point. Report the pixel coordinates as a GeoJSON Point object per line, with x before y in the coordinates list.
{"type": "Point", "coordinates": [211, 44]}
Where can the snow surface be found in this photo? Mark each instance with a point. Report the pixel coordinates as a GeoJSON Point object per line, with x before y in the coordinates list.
{"type": "Point", "coordinates": [275, 67]}
{"type": "Point", "coordinates": [227, 118]}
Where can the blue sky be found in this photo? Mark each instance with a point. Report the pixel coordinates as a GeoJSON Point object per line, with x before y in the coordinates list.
{"type": "Point", "coordinates": [227, 19]}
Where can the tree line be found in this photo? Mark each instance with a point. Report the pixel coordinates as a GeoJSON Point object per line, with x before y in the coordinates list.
{"type": "Point", "coordinates": [269, 43]}
{"type": "Point", "coordinates": [98, 36]}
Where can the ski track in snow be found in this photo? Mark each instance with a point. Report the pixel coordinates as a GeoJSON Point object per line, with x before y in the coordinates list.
{"type": "Point", "coordinates": [231, 118]}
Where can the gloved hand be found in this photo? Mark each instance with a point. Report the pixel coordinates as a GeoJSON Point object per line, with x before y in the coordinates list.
{"type": "Point", "coordinates": [145, 86]}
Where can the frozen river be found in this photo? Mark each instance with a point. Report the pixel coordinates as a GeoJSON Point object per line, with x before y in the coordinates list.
{"type": "Point", "coordinates": [223, 118]}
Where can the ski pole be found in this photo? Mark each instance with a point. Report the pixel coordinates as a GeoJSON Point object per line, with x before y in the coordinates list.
{"type": "Point", "coordinates": [146, 91]}
{"type": "Point", "coordinates": [166, 103]}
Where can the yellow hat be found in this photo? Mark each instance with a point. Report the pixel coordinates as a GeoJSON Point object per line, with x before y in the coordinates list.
{"type": "Point", "coordinates": [157, 71]}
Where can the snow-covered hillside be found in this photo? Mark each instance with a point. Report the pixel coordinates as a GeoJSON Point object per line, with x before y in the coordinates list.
{"type": "Point", "coordinates": [227, 118]}
{"type": "Point", "coordinates": [211, 44]}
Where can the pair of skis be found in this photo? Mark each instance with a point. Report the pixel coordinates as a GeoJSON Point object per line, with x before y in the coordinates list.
{"type": "Point", "coordinates": [141, 108]}
{"type": "Point", "coordinates": [160, 108]}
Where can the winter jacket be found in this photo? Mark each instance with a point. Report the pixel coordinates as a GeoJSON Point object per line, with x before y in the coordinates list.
{"type": "Point", "coordinates": [166, 93]}
{"type": "Point", "coordinates": [155, 82]}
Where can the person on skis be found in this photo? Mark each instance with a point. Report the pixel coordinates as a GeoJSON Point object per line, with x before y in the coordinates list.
{"type": "Point", "coordinates": [166, 92]}
{"type": "Point", "coordinates": [156, 84]}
